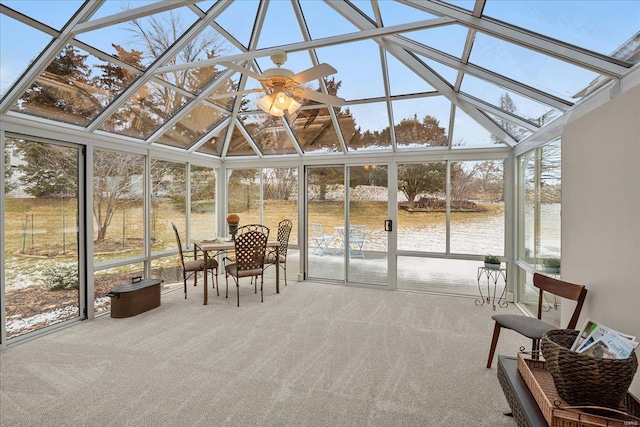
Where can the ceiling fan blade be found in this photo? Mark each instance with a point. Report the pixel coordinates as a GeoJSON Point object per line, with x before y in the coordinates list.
{"type": "Point", "coordinates": [314, 73]}
{"type": "Point", "coordinates": [320, 97]}
{"type": "Point", "coordinates": [236, 93]}
{"type": "Point", "coordinates": [242, 70]}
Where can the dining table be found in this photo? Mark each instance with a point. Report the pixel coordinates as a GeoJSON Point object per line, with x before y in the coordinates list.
{"type": "Point", "coordinates": [219, 245]}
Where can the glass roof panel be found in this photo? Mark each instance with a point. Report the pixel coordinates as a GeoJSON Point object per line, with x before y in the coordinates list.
{"type": "Point", "coordinates": [55, 14]}
{"type": "Point", "coordinates": [74, 88]}
{"type": "Point", "coordinates": [421, 122]}
{"type": "Point", "coordinates": [239, 146]}
{"type": "Point", "coordinates": [467, 133]}
{"type": "Point", "coordinates": [268, 133]}
{"type": "Point", "coordinates": [145, 111]}
{"type": "Point", "coordinates": [359, 69]}
{"type": "Point", "coordinates": [529, 67]}
{"type": "Point", "coordinates": [314, 130]}
{"type": "Point", "coordinates": [151, 35]}
{"type": "Point", "coordinates": [206, 45]}
{"type": "Point", "coordinates": [193, 126]}
{"type": "Point", "coordinates": [466, 4]}
{"type": "Point", "coordinates": [17, 53]}
{"type": "Point", "coordinates": [516, 131]}
{"type": "Point", "coordinates": [402, 80]}
{"type": "Point", "coordinates": [447, 38]}
{"type": "Point", "coordinates": [238, 19]}
{"type": "Point", "coordinates": [318, 13]}
{"type": "Point", "coordinates": [447, 73]}
{"type": "Point", "coordinates": [280, 26]}
{"type": "Point", "coordinates": [524, 107]}
{"type": "Point", "coordinates": [366, 126]}
{"type": "Point", "coordinates": [394, 13]}
{"type": "Point", "coordinates": [214, 144]}
{"type": "Point", "coordinates": [205, 5]}
{"type": "Point", "coordinates": [593, 25]}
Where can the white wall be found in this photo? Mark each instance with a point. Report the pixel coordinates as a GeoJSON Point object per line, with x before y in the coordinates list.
{"type": "Point", "coordinates": [601, 212]}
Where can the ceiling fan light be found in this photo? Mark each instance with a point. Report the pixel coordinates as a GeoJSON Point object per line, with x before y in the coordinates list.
{"type": "Point", "coordinates": [268, 105]}
{"type": "Point", "coordinates": [293, 106]}
{"type": "Point", "coordinates": [265, 103]}
{"type": "Point", "coordinates": [282, 101]}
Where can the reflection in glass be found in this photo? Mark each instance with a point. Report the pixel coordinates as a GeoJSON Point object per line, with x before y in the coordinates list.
{"type": "Point", "coordinates": [268, 133]}
{"type": "Point", "coordinates": [280, 194]}
{"type": "Point", "coordinates": [118, 205]}
{"type": "Point", "coordinates": [74, 88]}
{"type": "Point", "coordinates": [422, 214]}
{"type": "Point", "coordinates": [421, 122]}
{"type": "Point", "coordinates": [368, 210]}
{"type": "Point", "coordinates": [325, 211]}
{"type": "Point", "coordinates": [239, 146]}
{"type": "Point", "coordinates": [366, 126]}
{"type": "Point", "coordinates": [193, 126]}
{"type": "Point", "coordinates": [243, 186]}
{"type": "Point", "coordinates": [203, 203]}
{"type": "Point", "coordinates": [215, 143]}
{"type": "Point", "coordinates": [529, 67]}
{"type": "Point", "coordinates": [145, 111]}
{"type": "Point", "coordinates": [477, 208]}
{"type": "Point", "coordinates": [526, 108]}
{"type": "Point", "coordinates": [41, 211]}
{"type": "Point", "coordinates": [18, 55]}
{"type": "Point", "coordinates": [168, 189]}
{"type": "Point", "coordinates": [314, 129]}
{"type": "Point", "coordinates": [583, 26]}
{"type": "Point", "coordinates": [468, 133]}
{"type": "Point", "coordinates": [541, 203]}
{"type": "Point", "coordinates": [450, 276]}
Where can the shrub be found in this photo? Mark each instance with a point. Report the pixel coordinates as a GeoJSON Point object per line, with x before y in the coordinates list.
{"type": "Point", "coordinates": [61, 277]}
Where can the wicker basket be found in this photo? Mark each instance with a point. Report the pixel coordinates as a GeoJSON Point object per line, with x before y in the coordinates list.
{"type": "Point", "coordinates": [583, 380]}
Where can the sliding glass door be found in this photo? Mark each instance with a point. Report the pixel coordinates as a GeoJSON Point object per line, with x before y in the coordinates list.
{"type": "Point", "coordinates": [42, 284]}
{"type": "Point", "coordinates": [346, 235]}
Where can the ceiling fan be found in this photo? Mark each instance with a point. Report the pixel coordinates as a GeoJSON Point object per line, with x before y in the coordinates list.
{"type": "Point", "coordinates": [284, 86]}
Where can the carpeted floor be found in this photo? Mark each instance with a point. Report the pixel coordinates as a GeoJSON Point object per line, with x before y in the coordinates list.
{"type": "Point", "coordinates": [314, 355]}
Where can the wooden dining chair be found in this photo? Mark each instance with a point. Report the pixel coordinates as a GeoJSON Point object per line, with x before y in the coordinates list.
{"type": "Point", "coordinates": [250, 248]}
{"type": "Point", "coordinates": [194, 266]}
{"type": "Point", "coordinates": [535, 328]}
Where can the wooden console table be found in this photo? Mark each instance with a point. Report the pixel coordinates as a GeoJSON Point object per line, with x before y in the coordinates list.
{"type": "Point", "coordinates": [523, 406]}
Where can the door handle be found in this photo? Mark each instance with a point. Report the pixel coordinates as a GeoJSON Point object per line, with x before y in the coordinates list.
{"type": "Point", "coordinates": [388, 225]}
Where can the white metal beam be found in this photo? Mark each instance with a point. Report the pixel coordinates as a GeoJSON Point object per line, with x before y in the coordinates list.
{"type": "Point", "coordinates": [593, 61]}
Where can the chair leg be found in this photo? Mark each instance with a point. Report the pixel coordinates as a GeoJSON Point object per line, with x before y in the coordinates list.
{"type": "Point", "coordinates": [195, 278]}
{"type": "Point", "coordinates": [184, 279]}
{"type": "Point", "coordinates": [284, 270]}
{"type": "Point", "coordinates": [494, 342]}
{"type": "Point", "coordinates": [261, 283]}
{"type": "Point", "coordinates": [226, 278]}
{"type": "Point", "coordinates": [238, 290]}
{"type": "Point", "coordinates": [217, 282]}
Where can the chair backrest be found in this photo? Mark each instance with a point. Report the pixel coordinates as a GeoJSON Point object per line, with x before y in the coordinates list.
{"type": "Point", "coordinates": [250, 250]}
{"type": "Point", "coordinates": [284, 231]}
{"type": "Point", "coordinates": [316, 230]}
{"type": "Point", "coordinates": [358, 231]}
{"type": "Point", "coordinates": [253, 227]}
{"type": "Point", "coordinates": [175, 229]}
{"type": "Point", "coordinates": [562, 289]}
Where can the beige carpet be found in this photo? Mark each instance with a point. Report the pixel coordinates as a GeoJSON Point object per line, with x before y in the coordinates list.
{"type": "Point", "coordinates": [314, 355]}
